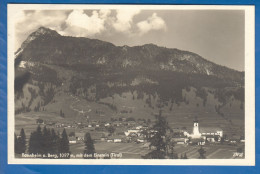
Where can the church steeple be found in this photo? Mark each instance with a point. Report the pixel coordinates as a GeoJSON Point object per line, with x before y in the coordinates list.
{"type": "Point", "coordinates": [196, 131]}
{"type": "Point", "coordinates": [195, 120]}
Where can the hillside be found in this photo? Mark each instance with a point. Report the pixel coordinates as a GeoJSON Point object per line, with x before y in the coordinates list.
{"type": "Point", "coordinates": [89, 78]}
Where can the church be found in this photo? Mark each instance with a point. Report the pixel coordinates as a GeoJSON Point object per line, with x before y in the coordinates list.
{"type": "Point", "coordinates": [210, 134]}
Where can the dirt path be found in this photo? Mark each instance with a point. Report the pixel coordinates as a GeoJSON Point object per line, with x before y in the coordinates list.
{"type": "Point", "coordinates": [72, 106]}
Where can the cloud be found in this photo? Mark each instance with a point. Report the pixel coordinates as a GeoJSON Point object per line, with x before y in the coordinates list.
{"type": "Point", "coordinates": [29, 21]}
{"type": "Point", "coordinates": [80, 24]}
{"type": "Point", "coordinates": [104, 13]}
{"type": "Point", "coordinates": [124, 20]}
{"type": "Point", "coordinates": [152, 23]}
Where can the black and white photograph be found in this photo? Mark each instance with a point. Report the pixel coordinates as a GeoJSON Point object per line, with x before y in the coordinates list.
{"type": "Point", "coordinates": [131, 84]}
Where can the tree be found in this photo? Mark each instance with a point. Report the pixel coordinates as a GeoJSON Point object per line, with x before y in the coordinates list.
{"type": "Point", "coordinates": [240, 150]}
{"type": "Point", "coordinates": [55, 140]}
{"type": "Point", "coordinates": [64, 144]}
{"type": "Point", "coordinates": [155, 155]}
{"type": "Point", "coordinates": [32, 143]}
{"type": "Point", "coordinates": [222, 140]}
{"type": "Point", "coordinates": [46, 141]}
{"type": "Point", "coordinates": [130, 119]}
{"type": "Point", "coordinates": [242, 106]}
{"type": "Point", "coordinates": [15, 144]}
{"type": "Point", "coordinates": [202, 153]}
{"type": "Point", "coordinates": [20, 142]}
{"type": "Point", "coordinates": [39, 121]}
{"type": "Point", "coordinates": [145, 134]}
{"type": "Point", "coordinates": [89, 147]}
{"type": "Point", "coordinates": [35, 142]}
{"type": "Point", "coordinates": [158, 138]}
{"type": "Point", "coordinates": [111, 129]}
{"type": "Point", "coordinates": [184, 156]}
{"type": "Point", "coordinates": [170, 150]}
{"type": "Point", "coordinates": [62, 114]}
{"type": "Point", "coordinates": [72, 134]}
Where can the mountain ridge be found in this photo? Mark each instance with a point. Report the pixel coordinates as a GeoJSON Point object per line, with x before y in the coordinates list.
{"type": "Point", "coordinates": [47, 46]}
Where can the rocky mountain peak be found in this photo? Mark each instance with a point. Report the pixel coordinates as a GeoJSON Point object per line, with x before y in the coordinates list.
{"type": "Point", "coordinates": [44, 31]}
{"type": "Point", "coordinates": [41, 31]}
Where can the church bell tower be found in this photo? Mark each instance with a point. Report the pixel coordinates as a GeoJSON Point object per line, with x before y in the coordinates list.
{"type": "Point", "coordinates": [196, 131]}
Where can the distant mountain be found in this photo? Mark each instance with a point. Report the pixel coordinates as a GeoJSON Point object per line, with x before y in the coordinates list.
{"type": "Point", "coordinates": [47, 46]}
{"type": "Point", "coordinates": [56, 72]}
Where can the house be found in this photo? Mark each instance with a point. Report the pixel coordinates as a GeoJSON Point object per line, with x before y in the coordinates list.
{"type": "Point", "coordinates": [120, 133]}
{"type": "Point", "coordinates": [139, 127]}
{"type": "Point", "coordinates": [72, 140]}
{"type": "Point", "coordinates": [117, 140]}
{"type": "Point", "coordinates": [233, 141]}
{"type": "Point", "coordinates": [79, 136]}
{"type": "Point", "coordinates": [181, 140]}
{"type": "Point", "coordinates": [107, 124]}
{"type": "Point", "coordinates": [144, 127]}
{"type": "Point", "coordinates": [132, 132]}
{"type": "Point", "coordinates": [39, 121]}
{"type": "Point", "coordinates": [141, 121]}
{"type": "Point", "coordinates": [131, 123]}
{"type": "Point", "coordinates": [117, 123]}
{"type": "Point", "coordinates": [211, 138]}
{"type": "Point", "coordinates": [152, 132]}
{"type": "Point", "coordinates": [198, 141]}
{"type": "Point", "coordinates": [211, 131]}
{"type": "Point", "coordinates": [50, 123]}
{"type": "Point", "coordinates": [140, 140]}
{"type": "Point", "coordinates": [109, 140]}
{"type": "Point", "coordinates": [103, 138]}
{"type": "Point", "coordinates": [146, 145]}
{"type": "Point", "coordinates": [185, 133]}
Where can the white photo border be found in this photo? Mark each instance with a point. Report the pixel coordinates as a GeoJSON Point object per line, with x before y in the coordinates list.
{"type": "Point", "coordinates": [249, 160]}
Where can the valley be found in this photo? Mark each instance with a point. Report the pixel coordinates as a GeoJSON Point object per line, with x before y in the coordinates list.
{"type": "Point", "coordinates": [88, 86]}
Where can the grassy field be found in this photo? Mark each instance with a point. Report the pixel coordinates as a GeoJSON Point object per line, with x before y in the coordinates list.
{"type": "Point", "coordinates": [212, 151]}
{"type": "Point", "coordinates": [136, 151]}
{"type": "Point", "coordinates": [128, 150]}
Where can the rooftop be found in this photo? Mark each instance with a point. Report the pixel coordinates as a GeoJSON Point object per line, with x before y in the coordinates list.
{"type": "Point", "coordinates": [209, 129]}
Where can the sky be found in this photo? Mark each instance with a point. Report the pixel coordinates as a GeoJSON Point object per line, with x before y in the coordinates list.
{"type": "Point", "coordinates": [216, 35]}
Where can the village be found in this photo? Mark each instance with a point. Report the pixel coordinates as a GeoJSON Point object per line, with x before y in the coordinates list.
{"type": "Point", "coordinates": [119, 133]}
